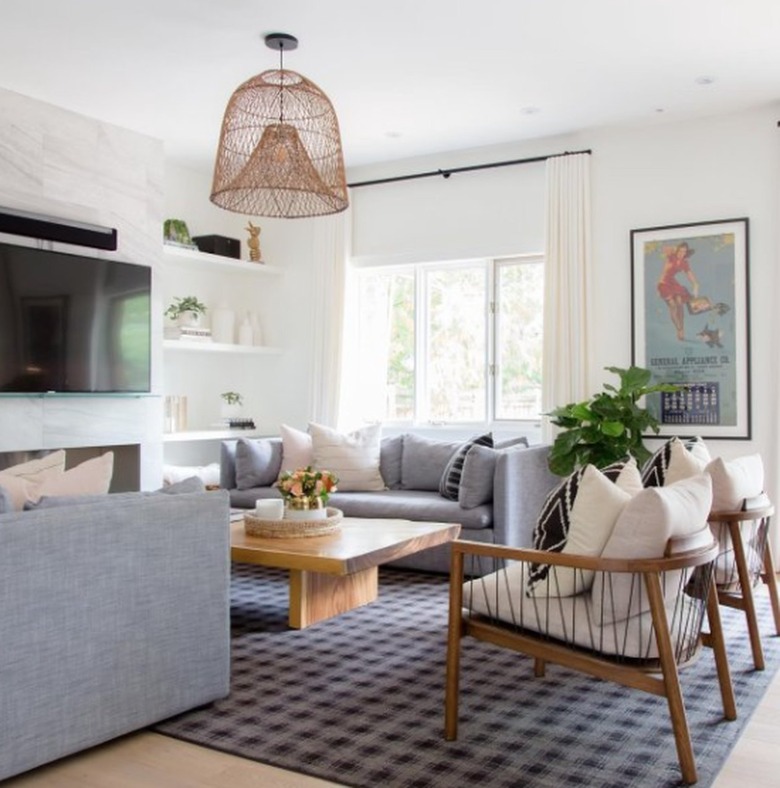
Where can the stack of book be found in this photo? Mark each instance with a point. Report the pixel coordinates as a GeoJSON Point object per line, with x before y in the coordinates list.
{"type": "Point", "coordinates": [195, 332]}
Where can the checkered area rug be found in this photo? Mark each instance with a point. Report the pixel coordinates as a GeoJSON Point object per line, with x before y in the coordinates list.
{"type": "Point", "coordinates": [359, 700]}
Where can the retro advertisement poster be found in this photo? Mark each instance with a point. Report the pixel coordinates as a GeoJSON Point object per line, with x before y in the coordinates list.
{"type": "Point", "coordinates": [690, 325]}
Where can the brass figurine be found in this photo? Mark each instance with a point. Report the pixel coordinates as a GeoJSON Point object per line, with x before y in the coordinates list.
{"type": "Point", "coordinates": [254, 243]}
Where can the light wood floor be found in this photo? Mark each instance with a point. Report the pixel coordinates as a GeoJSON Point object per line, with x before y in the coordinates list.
{"type": "Point", "coordinates": [149, 759]}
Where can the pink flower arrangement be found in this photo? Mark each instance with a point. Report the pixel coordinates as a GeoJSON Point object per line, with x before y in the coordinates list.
{"type": "Point", "coordinates": [307, 483]}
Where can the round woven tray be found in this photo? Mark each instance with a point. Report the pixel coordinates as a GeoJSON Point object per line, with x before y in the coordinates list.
{"type": "Point", "coordinates": [289, 529]}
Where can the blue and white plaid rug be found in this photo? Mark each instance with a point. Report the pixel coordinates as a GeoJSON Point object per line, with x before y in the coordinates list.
{"type": "Point", "coordinates": [359, 700]}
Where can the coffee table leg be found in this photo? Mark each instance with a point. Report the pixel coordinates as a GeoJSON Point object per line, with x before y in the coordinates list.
{"type": "Point", "coordinates": [315, 596]}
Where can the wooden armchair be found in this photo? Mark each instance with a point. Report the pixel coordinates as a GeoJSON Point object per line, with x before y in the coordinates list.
{"type": "Point", "coordinates": [744, 558]}
{"type": "Point", "coordinates": [631, 619]}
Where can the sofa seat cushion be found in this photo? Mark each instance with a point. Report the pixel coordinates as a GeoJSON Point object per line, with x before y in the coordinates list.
{"type": "Point", "coordinates": [411, 505]}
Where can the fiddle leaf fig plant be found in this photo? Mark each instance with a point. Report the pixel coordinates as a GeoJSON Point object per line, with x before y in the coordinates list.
{"type": "Point", "coordinates": [607, 427]}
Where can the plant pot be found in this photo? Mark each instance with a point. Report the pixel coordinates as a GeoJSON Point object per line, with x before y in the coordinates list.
{"type": "Point", "coordinates": [189, 319]}
{"type": "Point", "coordinates": [305, 509]}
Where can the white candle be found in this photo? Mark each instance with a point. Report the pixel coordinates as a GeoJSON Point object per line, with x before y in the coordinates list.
{"type": "Point", "coordinates": [269, 508]}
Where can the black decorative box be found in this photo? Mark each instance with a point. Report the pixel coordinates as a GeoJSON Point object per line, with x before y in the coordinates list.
{"type": "Point", "coordinates": [218, 244]}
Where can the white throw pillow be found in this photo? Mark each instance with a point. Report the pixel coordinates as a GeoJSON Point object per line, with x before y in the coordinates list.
{"type": "Point", "coordinates": [22, 487]}
{"type": "Point", "coordinates": [596, 507]}
{"type": "Point", "coordinates": [296, 449]}
{"type": "Point", "coordinates": [735, 480]}
{"type": "Point", "coordinates": [675, 460]}
{"type": "Point", "coordinates": [642, 530]}
{"type": "Point", "coordinates": [92, 477]}
{"type": "Point", "coordinates": [32, 468]}
{"type": "Point", "coordinates": [353, 456]}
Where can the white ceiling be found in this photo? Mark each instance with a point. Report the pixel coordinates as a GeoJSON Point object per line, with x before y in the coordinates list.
{"type": "Point", "coordinates": [406, 77]}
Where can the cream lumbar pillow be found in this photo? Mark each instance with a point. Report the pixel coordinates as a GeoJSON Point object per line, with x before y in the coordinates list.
{"type": "Point", "coordinates": [92, 477]}
{"type": "Point", "coordinates": [352, 456]}
{"type": "Point", "coordinates": [296, 449]}
{"type": "Point", "coordinates": [31, 469]}
{"type": "Point", "coordinates": [21, 482]}
{"type": "Point", "coordinates": [20, 490]}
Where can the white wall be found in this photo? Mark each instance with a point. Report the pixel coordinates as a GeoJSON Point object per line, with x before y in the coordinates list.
{"type": "Point", "coordinates": [665, 173]}
{"type": "Point", "coordinates": [276, 389]}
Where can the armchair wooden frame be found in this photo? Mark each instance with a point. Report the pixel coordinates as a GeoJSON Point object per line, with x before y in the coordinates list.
{"type": "Point", "coordinates": [748, 534]}
{"type": "Point", "coordinates": [639, 674]}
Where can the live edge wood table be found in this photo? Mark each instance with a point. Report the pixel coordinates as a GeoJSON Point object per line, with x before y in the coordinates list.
{"type": "Point", "coordinates": [337, 572]}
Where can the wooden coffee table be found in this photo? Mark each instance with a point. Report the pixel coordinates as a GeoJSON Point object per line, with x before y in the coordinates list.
{"type": "Point", "coordinates": [337, 572]}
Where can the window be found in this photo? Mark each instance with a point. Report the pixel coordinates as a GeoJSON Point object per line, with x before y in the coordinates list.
{"type": "Point", "coordinates": [450, 343]}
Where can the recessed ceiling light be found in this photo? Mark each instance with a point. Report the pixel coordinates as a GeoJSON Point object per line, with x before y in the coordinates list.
{"type": "Point", "coordinates": [393, 135]}
{"type": "Point", "coordinates": [530, 110]}
{"type": "Point", "coordinates": [704, 80]}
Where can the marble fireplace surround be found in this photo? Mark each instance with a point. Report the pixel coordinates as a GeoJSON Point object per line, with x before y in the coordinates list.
{"type": "Point", "coordinates": [87, 425]}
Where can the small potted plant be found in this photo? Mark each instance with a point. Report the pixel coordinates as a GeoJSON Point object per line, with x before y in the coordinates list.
{"type": "Point", "coordinates": [232, 402]}
{"type": "Point", "coordinates": [186, 310]}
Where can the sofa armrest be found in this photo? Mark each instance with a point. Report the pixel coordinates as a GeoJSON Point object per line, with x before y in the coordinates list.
{"type": "Point", "coordinates": [115, 614]}
{"type": "Point", "coordinates": [521, 483]}
{"type": "Point", "coordinates": [227, 464]}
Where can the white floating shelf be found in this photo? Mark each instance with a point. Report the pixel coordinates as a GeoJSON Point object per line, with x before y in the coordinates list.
{"type": "Point", "coordinates": [190, 436]}
{"type": "Point", "coordinates": [198, 346]}
{"type": "Point", "coordinates": [184, 256]}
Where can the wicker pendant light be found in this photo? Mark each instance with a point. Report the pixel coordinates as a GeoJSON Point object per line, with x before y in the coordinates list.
{"type": "Point", "coordinates": [280, 148]}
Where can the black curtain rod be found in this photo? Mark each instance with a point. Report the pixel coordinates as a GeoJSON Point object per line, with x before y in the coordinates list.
{"type": "Point", "coordinates": [447, 173]}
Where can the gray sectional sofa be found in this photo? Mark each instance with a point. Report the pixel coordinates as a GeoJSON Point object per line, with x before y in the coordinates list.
{"type": "Point", "coordinates": [514, 483]}
{"type": "Point", "coordinates": [114, 614]}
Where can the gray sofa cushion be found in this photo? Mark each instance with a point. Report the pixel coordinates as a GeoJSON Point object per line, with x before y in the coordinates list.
{"type": "Point", "coordinates": [476, 480]}
{"type": "Point", "coordinates": [450, 479]}
{"type": "Point", "coordinates": [258, 463]}
{"type": "Point", "coordinates": [390, 461]}
{"type": "Point", "coordinates": [423, 462]}
{"type": "Point", "coordinates": [411, 505]}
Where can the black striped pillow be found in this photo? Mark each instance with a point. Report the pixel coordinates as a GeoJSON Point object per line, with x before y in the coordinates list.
{"type": "Point", "coordinates": [450, 479]}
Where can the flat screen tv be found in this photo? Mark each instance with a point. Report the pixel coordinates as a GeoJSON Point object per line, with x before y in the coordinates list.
{"type": "Point", "coordinates": [73, 324]}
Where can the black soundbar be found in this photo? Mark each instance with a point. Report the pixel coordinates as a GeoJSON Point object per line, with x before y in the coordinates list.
{"type": "Point", "coordinates": [50, 229]}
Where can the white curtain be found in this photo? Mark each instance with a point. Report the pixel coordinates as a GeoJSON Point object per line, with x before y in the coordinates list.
{"type": "Point", "coordinates": [331, 240]}
{"type": "Point", "coordinates": [566, 283]}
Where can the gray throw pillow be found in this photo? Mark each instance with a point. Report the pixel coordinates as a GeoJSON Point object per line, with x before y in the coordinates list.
{"type": "Point", "coordinates": [390, 455]}
{"type": "Point", "coordinates": [476, 480]}
{"type": "Point", "coordinates": [450, 479]}
{"type": "Point", "coordinates": [191, 484]}
{"type": "Point", "coordinates": [258, 463]}
{"type": "Point", "coordinates": [423, 462]}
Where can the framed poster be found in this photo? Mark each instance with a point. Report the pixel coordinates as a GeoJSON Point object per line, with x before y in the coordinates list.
{"type": "Point", "coordinates": [690, 325]}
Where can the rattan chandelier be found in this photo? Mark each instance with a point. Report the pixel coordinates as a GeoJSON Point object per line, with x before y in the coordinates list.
{"type": "Point", "coordinates": [280, 149]}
